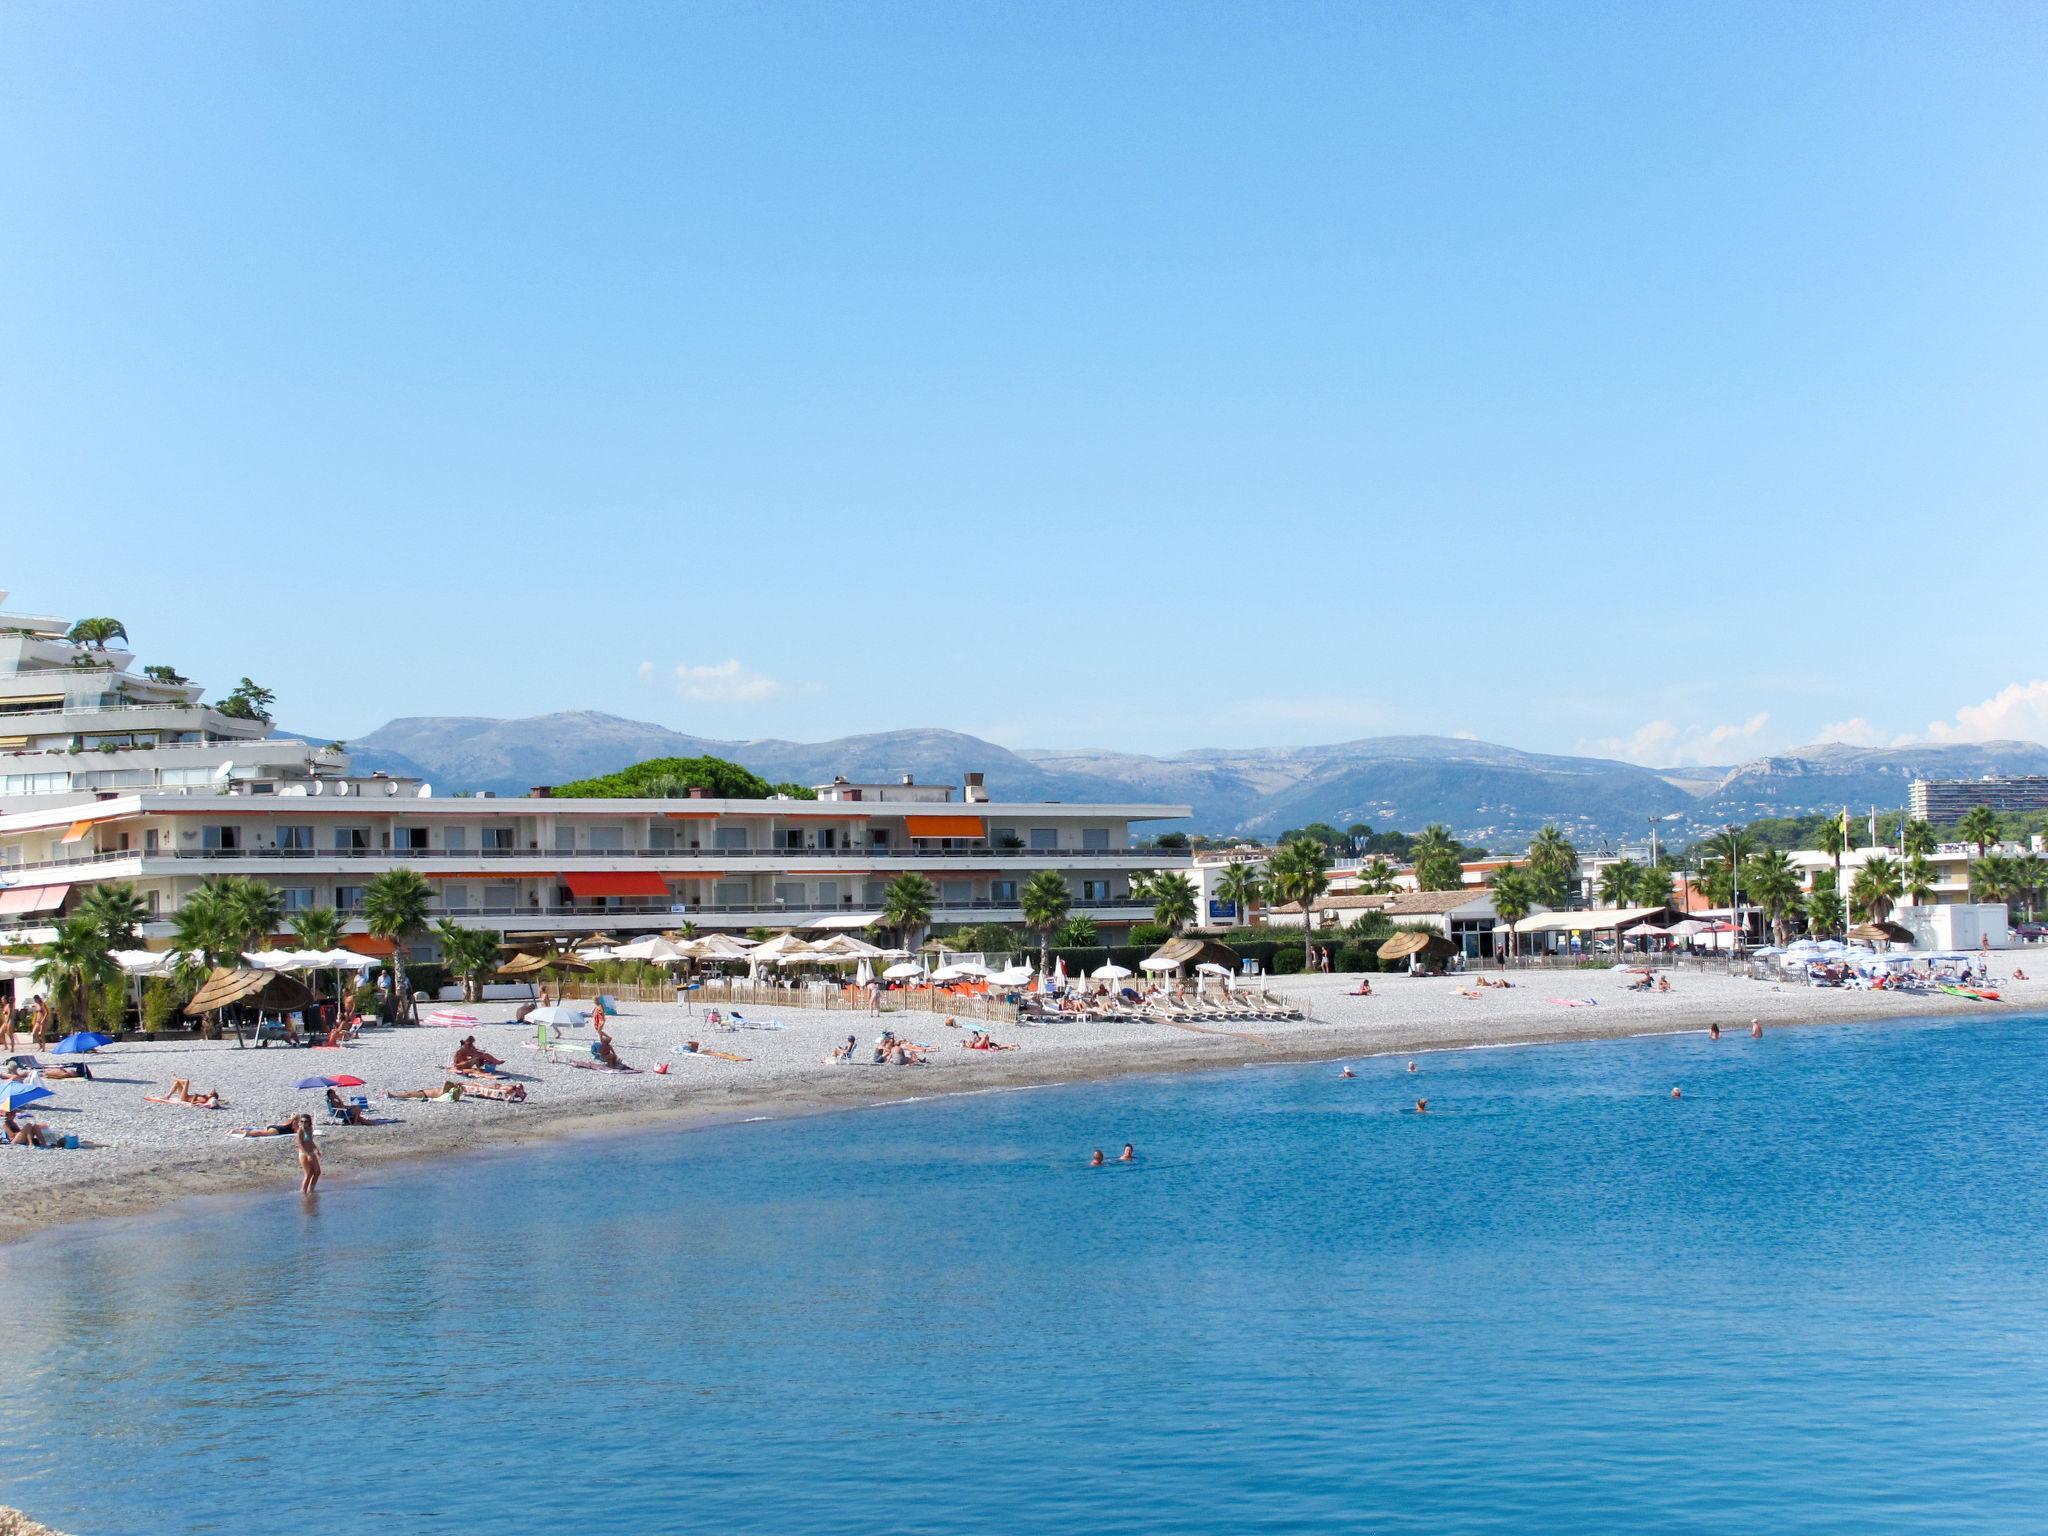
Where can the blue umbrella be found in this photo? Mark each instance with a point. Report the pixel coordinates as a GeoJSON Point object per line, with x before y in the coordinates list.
{"type": "Point", "coordinates": [80, 1044]}
{"type": "Point", "coordinates": [14, 1095]}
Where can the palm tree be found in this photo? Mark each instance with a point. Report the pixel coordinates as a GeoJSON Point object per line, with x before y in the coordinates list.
{"type": "Point", "coordinates": [1773, 882]}
{"type": "Point", "coordinates": [75, 967]}
{"type": "Point", "coordinates": [1833, 840]}
{"type": "Point", "coordinates": [2030, 878]}
{"type": "Point", "coordinates": [255, 910]}
{"type": "Point", "coordinates": [1243, 886]}
{"type": "Point", "coordinates": [1727, 849]}
{"type": "Point", "coordinates": [1877, 888]}
{"type": "Point", "coordinates": [907, 907]}
{"type": "Point", "coordinates": [1916, 839]}
{"type": "Point", "coordinates": [115, 911]}
{"type": "Point", "coordinates": [1552, 862]}
{"type": "Point", "coordinates": [470, 954]}
{"type": "Point", "coordinates": [1992, 879]}
{"type": "Point", "coordinates": [1375, 877]}
{"type": "Point", "coordinates": [1435, 855]}
{"type": "Point", "coordinates": [1918, 879]}
{"type": "Point", "coordinates": [1173, 901]}
{"type": "Point", "coordinates": [96, 632]}
{"type": "Point", "coordinates": [1514, 896]}
{"type": "Point", "coordinates": [1980, 826]}
{"type": "Point", "coordinates": [1077, 932]}
{"type": "Point", "coordinates": [1141, 885]}
{"type": "Point", "coordinates": [1044, 899]}
{"type": "Point", "coordinates": [1300, 872]}
{"type": "Point", "coordinates": [316, 928]}
{"type": "Point", "coordinates": [1824, 905]}
{"type": "Point", "coordinates": [1653, 886]}
{"type": "Point", "coordinates": [395, 908]}
{"type": "Point", "coordinates": [226, 916]}
{"type": "Point", "coordinates": [1619, 882]}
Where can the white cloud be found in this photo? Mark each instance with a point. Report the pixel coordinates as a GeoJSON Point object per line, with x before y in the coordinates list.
{"type": "Point", "coordinates": [1854, 732]}
{"type": "Point", "coordinates": [2017, 713]}
{"type": "Point", "coordinates": [718, 682]}
{"type": "Point", "coordinates": [1660, 744]}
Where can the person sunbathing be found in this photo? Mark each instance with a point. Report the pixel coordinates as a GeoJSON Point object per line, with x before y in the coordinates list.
{"type": "Point", "coordinates": [602, 1050]}
{"type": "Point", "coordinates": [282, 1128]}
{"type": "Point", "coordinates": [470, 1057]}
{"type": "Point", "coordinates": [503, 1093]}
{"type": "Point", "coordinates": [349, 1114]}
{"type": "Point", "coordinates": [447, 1093]}
{"type": "Point", "coordinates": [25, 1133]}
{"type": "Point", "coordinates": [840, 1053]}
{"type": "Point", "coordinates": [180, 1092]}
{"type": "Point", "coordinates": [1364, 988]}
{"type": "Point", "coordinates": [1663, 983]}
{"type": "Point", "coordinates": [57, 1074]}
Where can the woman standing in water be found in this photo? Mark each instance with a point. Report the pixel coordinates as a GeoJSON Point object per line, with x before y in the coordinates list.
{"type": "Point", "coordinates": [309, 1155]}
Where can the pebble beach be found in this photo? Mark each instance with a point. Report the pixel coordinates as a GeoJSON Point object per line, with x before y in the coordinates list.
{"type": "Point", "coordinates": [136, 1155]}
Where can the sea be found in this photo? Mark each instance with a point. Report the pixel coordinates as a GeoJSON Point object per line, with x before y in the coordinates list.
{"type": "Point", "coordinates": [1807, 1295]}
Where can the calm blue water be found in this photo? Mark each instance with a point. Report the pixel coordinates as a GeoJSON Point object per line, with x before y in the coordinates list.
{"type": "Point", "coordinates": [1809, 1297]}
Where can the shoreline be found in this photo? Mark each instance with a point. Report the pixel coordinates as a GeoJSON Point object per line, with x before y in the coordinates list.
{"type": "Point", "coordinates": [1403, 1017]}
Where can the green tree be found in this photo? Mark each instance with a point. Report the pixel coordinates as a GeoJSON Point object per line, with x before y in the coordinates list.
{"type": "Point", "coordinates": [907, 907]}
{"type": "Point", "coordinates": [1300, 871]}
{"type": "Point", "coordinates": [1045, 900]}
{"type": "Point", "coordinates": [1824, 905]}
{"type": "Point", "coordinates": [1244, 887]}
{"type": "Point", "coordinates": [1618, 883]}
{"type": "Point", "coordinates": [1725, 852]}
{"type": "Point", "coordinates": [166, 675]}
{"type": "Point", "coordinates": [96, 632]}
{"type": "Point", "coordinates": [1876, 888]}
{"type": "Point", "coordinates": [1917, 839]}
{"type": "Point", "coordinates": [1436, 854]}
{"type": "Point", "coordinates": [395, 908]}
{"type": "Point", "coordinates": [116, 913]}
{"type": "Point", "coordinates": [1832, 839]}
{"type": "Point", "coordinates": [1917, 880]}
{"type": "Point", "coordinates": [1375, 877]}
{"type": "Point", "coordinates": [1653, 886]}
{"type": "Point", "coordinates": [2030, 879]}
{"type": "Point", "coordinates": [1992, 879]}
{"type": "Point", "coordinates": [316, 928]}
{"type": "Point", "coordinates": [672, 778]}
{"type": "Point", "coordinates": [1553, 865]}
{"type": "Point", "coordinates": [1173, 901]}
{"type": "Point", "coordinates": [1773, 884]}
{"type": "Point", "coordinates": [1077, 932]}
{"type": "Point", "coordinates": [1514, 897]}
{"type": "Point", "coordinates": [471, 955]}
{"type": "Point", "coordinates": [73, 967]}
{"type": "Point", "coordinates": [249, 701]}
{"type": "Point", "coordinates": [1980, 826]}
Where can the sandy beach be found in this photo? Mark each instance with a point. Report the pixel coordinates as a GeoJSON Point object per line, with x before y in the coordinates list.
{"type": "Point", "coordinates": [137, 1155]}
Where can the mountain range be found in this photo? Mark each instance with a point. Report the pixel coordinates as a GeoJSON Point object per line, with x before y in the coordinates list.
{"type": "Point", "coordinates": [1489, 795]}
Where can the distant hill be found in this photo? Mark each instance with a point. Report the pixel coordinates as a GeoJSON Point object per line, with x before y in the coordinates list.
{"type": "Point", "coordinates": [1488, 794]}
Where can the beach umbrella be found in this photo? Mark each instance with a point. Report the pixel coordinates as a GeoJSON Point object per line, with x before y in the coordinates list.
{"type": "Point", "coordinates": [339, 1080]}
{"type": "Point", "coordinates": [1109, 973]}
{"type": "Point", "coordinates": [451, 1018]}
{"type": "Point", "coordinates": [14, 967]}
{"type": "Point", "coordinates": [1211, 968]}
{"type": "Point", "coordinates": [1059, 970]}
{"type": "Point", "coordinates": [14, 1095]}
{"type": "Point", "coordinates": [1157, 964]}
{"type": "Point", "coordinates": [864, 974]}
{"type": "Point", "coordinates": [81, 1044]}
{"type": "Point", "coordinates": [903, 971]}
{"type": "Point", "coordinates": [1015, 976]}
{"type": "Point", "coordinates": [558, 1016]}
{"type": "Point", "coordinates": [1415, 941]}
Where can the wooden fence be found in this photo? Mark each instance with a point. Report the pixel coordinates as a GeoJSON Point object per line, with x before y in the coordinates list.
{"type": "Point", "coordinates": [741, 993]}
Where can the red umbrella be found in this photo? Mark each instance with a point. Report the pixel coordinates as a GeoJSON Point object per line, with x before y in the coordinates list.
{"type": "Point", "coordinates": [343, 1080]}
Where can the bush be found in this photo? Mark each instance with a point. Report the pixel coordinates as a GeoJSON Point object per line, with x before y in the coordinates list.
{"type": "Point", "coordinates": [1288, 962]}
{"type": "Point", "coordinates": [162, 999]}
{"type": "Point", "coordinates": [108, 1009]}
{"type": "Point", "coordinates": [1149, 936]}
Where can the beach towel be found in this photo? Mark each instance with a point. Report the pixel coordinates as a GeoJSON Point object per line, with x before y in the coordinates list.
{"type": "Point", "coordinates": [1573, 1002]}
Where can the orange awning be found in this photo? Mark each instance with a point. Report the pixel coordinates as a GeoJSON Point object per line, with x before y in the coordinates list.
{"type": "Point", "coordinates": [35, 898]}
{"type": "Point", "coordinates": [368, 944]}
{"type": "Point", "coordinates": [691, 815]}
{"type": "Point", "coordinates": [79, 832]}
{"type": "Point", "coordinates": [946, 826]}
{"type": "Point", "coordinates": [630, 883]}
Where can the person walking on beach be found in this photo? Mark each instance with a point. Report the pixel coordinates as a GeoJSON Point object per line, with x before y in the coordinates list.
{"type": "Point", "coordinates": [7, 1019]}
{"type": "Point", "coordinates": [39, 1024]}
{"type": "Point", "coordinates": [309, 1155]}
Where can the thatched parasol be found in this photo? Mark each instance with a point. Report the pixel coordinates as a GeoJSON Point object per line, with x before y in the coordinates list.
{"type": "Point", "coordinates": [1888, 931]}
{"type": "Point", "coordinates": [524, 965]}
{"type": "Point", "coordinates": [1414, 941]}
{"type": "Point", "coordinates": [273, 991]}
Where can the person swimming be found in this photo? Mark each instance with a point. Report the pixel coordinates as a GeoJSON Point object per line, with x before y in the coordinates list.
{"type": "Point", "coordinates": [1676, 1094]}
{"type": "Point", "coordinates": [1128, 1155]}
{"type": "Point", "coordinates": [1096, 1160]}
{"type": "Point", "coordinates": [1756, 1029]}
{"type": "Point", "coordinates": [1422, 1106]}
{"type": "Point", "coordinates": [1714, 1029]}
{"type": "Point", "coordinates": [1347, 1072]}
{"type": "Point", "coordinates": [1411, 1066]}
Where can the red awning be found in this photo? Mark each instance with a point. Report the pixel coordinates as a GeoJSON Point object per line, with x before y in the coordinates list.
{"type": "Point", "coordinates": [368, 945]}
{"type": "Point", "coordinates": [946, 826]}
{"type": "Point", "coordinates": [631, 883]}
{"type": "Point", "coordinates": [36, 898]}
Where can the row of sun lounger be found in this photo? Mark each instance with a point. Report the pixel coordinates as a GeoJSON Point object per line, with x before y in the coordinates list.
{"type": "Point", "coordinates": [1165, 1011]}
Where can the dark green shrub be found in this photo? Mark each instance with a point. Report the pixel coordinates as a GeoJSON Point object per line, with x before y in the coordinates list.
{"type": "Point", "coordinates": [1149, 936]}
{"type": "Point", "coordinates": [162, 999]}
{"type": "Point", "coordinates": [1288, 962]}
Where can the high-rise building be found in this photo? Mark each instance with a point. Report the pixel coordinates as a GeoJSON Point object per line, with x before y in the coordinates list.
{"type": "Point", "coordinates": [1944, 801]}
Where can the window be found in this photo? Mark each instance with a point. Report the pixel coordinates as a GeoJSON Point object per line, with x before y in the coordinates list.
{"type": "Point", "coordinates": [790, 839]}
{"type": "Point", "coordinates": [50, 783]}
{"type": "Point", "coordinates": [501, 898]}
{"type": "Point", "coordinates": [221, 839]}
{"type": "Point", "coordinates": [455, 897]}
{"type": "Point", "coordinates": [1095, 890]}
{"type": "Point", "coordinates": [735, 893]}
{"type": "Point", "coordinates": [297, 898]}
{"type": "Point", "coordinates": [607, 839]}
{"type": "Point", "coordinates": [1002, 890]}
{"type": "Point", "coordinates": [956, 893]}
{"type": "Point", "coordinates": [294, 839]}
{"type": "Point", "coordinates": [828, 837]}
{"type": "Point", "coordinates": [1095, 839]}
{"type": "Point", "coordinates": [790, 892]}
{"type": "Point", "coordinates": [410, 839]}
{"type": "Point", "coordinates": [179, 778]}
{"type": "Point", "coordinates": [828, 893]}
{"type": "Point", "coordinates": [878, 837]}
{"type": "Point", "coordinates": [351, 839]}
{"type": "Point", "coordinates": [565, 838]}
{"type": "Point", "coordinates": [455, 839]}
{"type": "Point", "coordinates": [1044, 839]}
{"type": "Point", "coordinates": [730, 839]}
{"type": "Point", "coordinates": [497, 840]}
{"type": "Point", "coordinates": [875, 892]}
{"type": "Point", "coordinates": [349, 898]}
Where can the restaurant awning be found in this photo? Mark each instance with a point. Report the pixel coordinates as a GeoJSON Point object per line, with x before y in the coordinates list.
{"type": "Point", "coordinates": [628, 883]}
{"type": "Point", "coordinates": [78, 832]}
{"type": "Point", "coordinates": [35, 898]}
{"type": "Point", "coordinates": [947, 826]}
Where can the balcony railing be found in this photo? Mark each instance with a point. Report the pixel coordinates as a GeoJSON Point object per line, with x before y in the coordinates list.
{"type": "Point", "coordinates": [713, 856]}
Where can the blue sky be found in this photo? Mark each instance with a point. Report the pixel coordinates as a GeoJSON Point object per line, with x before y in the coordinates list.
{"type": "Point", "coordinates": [1662, 380]}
